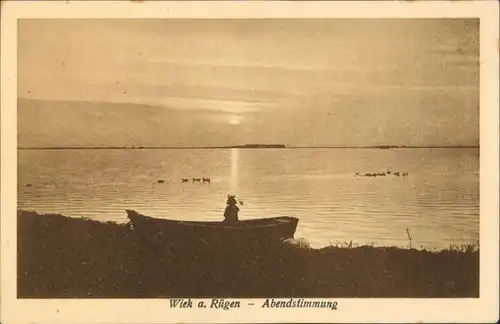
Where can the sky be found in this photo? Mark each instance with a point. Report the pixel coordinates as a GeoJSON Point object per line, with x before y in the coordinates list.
{"type": "Point", "coordinates": [213, 82]}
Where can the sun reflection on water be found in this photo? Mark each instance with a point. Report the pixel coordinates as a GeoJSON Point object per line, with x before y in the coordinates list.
{"type": "Point", "coordinates": [234, 170]}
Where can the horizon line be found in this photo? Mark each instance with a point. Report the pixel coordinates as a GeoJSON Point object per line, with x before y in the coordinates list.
{"type": "Point", "coordinates": [263, 146]}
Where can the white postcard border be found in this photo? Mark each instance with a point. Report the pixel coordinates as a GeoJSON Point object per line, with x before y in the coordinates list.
{"type": "Point", "coordinates": [483, 309]}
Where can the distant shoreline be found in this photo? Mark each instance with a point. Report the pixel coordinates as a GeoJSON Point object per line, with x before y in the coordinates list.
{"type": "Point", "coordinates": [273, 146]}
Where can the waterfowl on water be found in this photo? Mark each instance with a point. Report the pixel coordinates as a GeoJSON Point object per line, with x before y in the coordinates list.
{"type": "Point", "coordinates": [375, 174]}
{"type": "Point", "coordinates": [383, 174]}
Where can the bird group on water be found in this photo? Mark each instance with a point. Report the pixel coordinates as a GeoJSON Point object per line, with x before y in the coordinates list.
{"type": "Point", "coordinates": [204, 180]}
{"type": "Point", "coordinates": [383, 174]}
{"type": "Point", "coordinates": [368, 174]}
{"type": "Point", "coordinates": [201, 180]}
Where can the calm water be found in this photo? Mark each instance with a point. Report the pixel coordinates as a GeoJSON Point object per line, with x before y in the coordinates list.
{"type": "Point", "coordinates": [438, 201]}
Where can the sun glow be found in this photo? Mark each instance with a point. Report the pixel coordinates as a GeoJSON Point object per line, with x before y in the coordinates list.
{"type": "Point", "coordinates": [234, 120]}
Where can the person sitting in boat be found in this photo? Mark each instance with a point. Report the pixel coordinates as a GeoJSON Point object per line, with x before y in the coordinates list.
{"type": "Point", "coordinates": [231, 211]}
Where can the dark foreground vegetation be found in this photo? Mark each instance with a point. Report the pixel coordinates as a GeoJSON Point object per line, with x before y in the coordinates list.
{"type": "Point", "coordinates": [61, 257]}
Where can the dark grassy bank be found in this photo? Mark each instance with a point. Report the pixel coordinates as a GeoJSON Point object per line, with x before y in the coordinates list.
{"type": "Point", "coordinates": [60, 257]}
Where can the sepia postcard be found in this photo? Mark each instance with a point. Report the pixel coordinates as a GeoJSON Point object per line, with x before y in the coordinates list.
{"type": "Point", "coordinates": [261, 161]}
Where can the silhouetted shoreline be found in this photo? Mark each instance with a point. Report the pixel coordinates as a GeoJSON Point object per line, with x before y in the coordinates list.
{"type": "Point", "coordinates": [63, 257]}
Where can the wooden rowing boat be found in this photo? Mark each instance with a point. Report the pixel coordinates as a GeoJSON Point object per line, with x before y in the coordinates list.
{"type": "Point", "coordinates": [158, 231]}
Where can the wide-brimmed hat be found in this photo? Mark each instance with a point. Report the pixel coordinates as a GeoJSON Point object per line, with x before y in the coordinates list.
{"type": "Point", "coordinates": [231, 199]}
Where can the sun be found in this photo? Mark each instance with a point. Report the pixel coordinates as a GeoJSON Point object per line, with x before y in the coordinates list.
{"type": "Point", "coordinates": [234, 120]}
